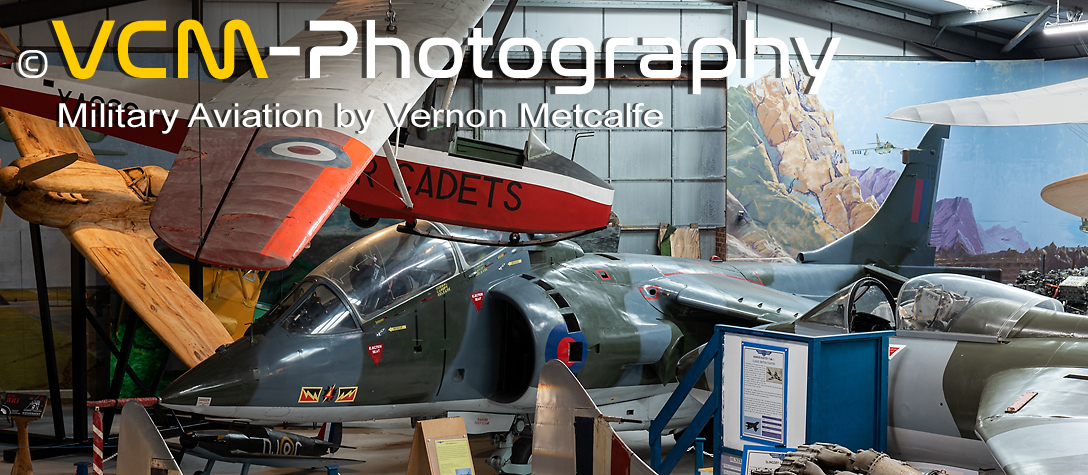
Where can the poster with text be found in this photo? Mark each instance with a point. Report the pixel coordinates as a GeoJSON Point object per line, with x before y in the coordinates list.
{"type": "Point", "coordinates": [763, 393]}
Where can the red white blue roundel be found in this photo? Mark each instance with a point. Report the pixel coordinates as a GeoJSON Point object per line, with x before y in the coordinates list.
{"type": "Point", "coordinates": [568, 347]}
{"type": "Point", "coordinates": [306, 149]}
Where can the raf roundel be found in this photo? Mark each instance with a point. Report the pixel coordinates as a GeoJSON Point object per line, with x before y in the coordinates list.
{"type": "Point", "coordinates": [306, 149]}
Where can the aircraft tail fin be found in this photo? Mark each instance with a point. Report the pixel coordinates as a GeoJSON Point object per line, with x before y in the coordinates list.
{"type": "Point", "coordinates": [899, 232]}
{"type": "Point", "coordinates": [140, 447]}
{"type": "Point", "coordinates": [332, 433]}
{"type": "Point", "coordinates": [571, 435]}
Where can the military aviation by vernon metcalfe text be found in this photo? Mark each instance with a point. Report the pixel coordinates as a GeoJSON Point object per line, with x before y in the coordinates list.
{"type": "Point", "coordinates": [405, 325]}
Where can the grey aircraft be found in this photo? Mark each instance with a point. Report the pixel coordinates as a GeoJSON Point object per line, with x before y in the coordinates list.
{"type": "Point", "coordinates": [982, 375]}
{"type": "Point", "coordinates": [399, 325]}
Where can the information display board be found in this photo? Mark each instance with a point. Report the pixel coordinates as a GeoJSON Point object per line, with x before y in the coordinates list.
{"type": "Point", "coordinates": [786, 390]}
{"type": "Point", "coordinates": [23, 405]}
{"type": "Point", "coordinates": [767, 403]}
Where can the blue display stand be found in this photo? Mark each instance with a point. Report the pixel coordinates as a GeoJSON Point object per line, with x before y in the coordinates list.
{"type": "Point", "coordinates": [783, 389]}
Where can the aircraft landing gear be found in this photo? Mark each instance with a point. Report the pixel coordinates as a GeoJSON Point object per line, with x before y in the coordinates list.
{"type": "Point", "coordinates": [514, 449]}
{"type": "Point", "coordinates": [362, 222]}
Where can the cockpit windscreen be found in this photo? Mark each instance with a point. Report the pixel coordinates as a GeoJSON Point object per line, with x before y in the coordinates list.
{"type": "Point", "coordinates": [388, 266]}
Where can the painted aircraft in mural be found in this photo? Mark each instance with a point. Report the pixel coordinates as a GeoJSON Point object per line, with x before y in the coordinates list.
{"type": "Point", "coordinates": [879, 147]}
{"type": "Point", "coordinates": [221, 210]}
{"type": "Point", "coordinates": [1062, 103]}
{"type": "Point", "coordinates": [984, 375]}
{"type": "Point", "coordinates": [400, 325]}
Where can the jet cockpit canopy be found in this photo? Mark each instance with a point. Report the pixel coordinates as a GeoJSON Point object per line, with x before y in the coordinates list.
{"type": "Point", "coordinates": [959, 304]}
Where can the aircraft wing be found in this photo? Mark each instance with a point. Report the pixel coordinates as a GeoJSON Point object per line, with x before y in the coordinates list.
{"type": "Point", "coordinates": [734, 297]}
{"type": "Point", "coordinates": [124, 254]}
{"type": "Point", "coordinates": [1061, 103]}
{"type": "Point", "coordinates": [1046, 436]}
{"type": "Point", "coordinates": [253, 197]}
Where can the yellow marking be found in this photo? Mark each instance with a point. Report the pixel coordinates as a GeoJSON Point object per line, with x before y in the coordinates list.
{"type": "Point", "coordinates": [480, 269]}
{"type": "Point", "coordinates": [443, 289]}
{"type": "Point", "coordinates": [310, 394]}
{"type": "Point", "coordinates": [397, 328]}
{"type": "Point", "coordinates": [512, 263]}
{"type": "Point", "coordinates": [347, 394]}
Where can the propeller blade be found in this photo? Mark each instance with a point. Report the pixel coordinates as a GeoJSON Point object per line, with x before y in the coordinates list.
{"type": "Point", "coordinates": [42, 168]}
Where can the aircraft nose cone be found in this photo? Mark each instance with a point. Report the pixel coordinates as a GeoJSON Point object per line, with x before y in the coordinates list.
{"type": "Point", "coordinates": [217, 381]}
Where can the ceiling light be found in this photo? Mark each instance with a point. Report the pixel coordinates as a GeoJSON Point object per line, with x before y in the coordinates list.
{"type": "Point", "coordinates": [1068, 27]}
{"type": "Point", "coordinates": [975, 4]}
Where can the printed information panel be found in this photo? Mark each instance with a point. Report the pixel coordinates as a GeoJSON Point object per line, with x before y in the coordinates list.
{"type": "Point", "coordinates": [765, 391]}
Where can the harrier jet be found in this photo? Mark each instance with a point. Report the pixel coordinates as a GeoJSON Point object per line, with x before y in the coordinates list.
{"type": "Point", "coordinates": [399, 325]}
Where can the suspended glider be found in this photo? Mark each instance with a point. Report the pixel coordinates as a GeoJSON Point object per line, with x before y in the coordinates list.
{"type": "Point", "coordinates": [1062, 103]}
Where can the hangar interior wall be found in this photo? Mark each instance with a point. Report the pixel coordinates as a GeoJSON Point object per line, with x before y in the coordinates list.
{"type": "Point", "coordinates": [674, 174]}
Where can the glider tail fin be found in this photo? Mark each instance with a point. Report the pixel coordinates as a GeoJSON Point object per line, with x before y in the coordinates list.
{"type": "Point", "coordinates": [898, 234]}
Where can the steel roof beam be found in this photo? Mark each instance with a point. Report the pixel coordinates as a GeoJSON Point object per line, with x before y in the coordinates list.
{"type": "Point", "coordinates": [888, 26]}
{"type": "Point", "coordinates": [1003, 12]}
{"type": "Point", "coordinates": [1031, 27]}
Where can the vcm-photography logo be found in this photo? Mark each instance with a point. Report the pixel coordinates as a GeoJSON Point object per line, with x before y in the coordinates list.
{"type": "Point", "coordinates": [700, 68]}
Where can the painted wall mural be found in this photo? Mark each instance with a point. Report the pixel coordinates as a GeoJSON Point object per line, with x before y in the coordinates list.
{"type": "Point", "coordinates": [804, 170]}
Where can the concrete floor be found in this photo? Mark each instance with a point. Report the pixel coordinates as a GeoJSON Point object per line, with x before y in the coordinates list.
{"type": "Point", "coordinates": [384, 445]}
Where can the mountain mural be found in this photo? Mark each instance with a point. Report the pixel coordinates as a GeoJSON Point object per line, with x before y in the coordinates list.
{"type": "Point", "coordinates": [955, 231]}
{"type": "Point", "coordinates": [788, 169]}
{"type": "Point", "coordinates": [876, 182]}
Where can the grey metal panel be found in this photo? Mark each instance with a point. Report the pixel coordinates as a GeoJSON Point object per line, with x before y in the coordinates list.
{"type": "Point", "coordinates": [640, 155]}
{"type": "Point", "coordinates": [642, 203]}
{"type": "Point", "coordinates": [706, 110]}
{"type": "Point", "coordinates": [771, 23]}
{"type": "Point", "coordinates": [594, 99]}
{"type": "Point", "coordinates": [545, 25]}
{"type": "Point", "coordinates": [885, 25]}
{"type": "Point", "coordinates": [463, 97]}
{"type": "Point", "coordinates": [81, 28]}
{"type": "Point", "coordinates": [293, 17]}
{"type": "Point", "coordinates": [864, 43]}
{"type": "Point", "coordinates": [706, 243]}
{"type": "Point", "coordinates": [592, 151]}
{"type": "Point", "coordinates": [699, 154]}
{"type": "Point", "coordinates": [172, 11]}
{"type": "Point", "coordinates": [642, 24]}
{"type": "Point", "coordinates": [508, 95]}
{"type": "Point", "coordinates": [654, 94]}
{"type": "Point", "coordinates": [509, 137]}
{"type": "Point", "coordinates": [260, 16]}
{"type": "Point", "coordinates": [705, 24]}
{"type": "Point", "coordinates": [514, 29]}
{"type": "Point", "coordinates": [639, 242]}
{"type": "Point", "coordinates": [698, 202]}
